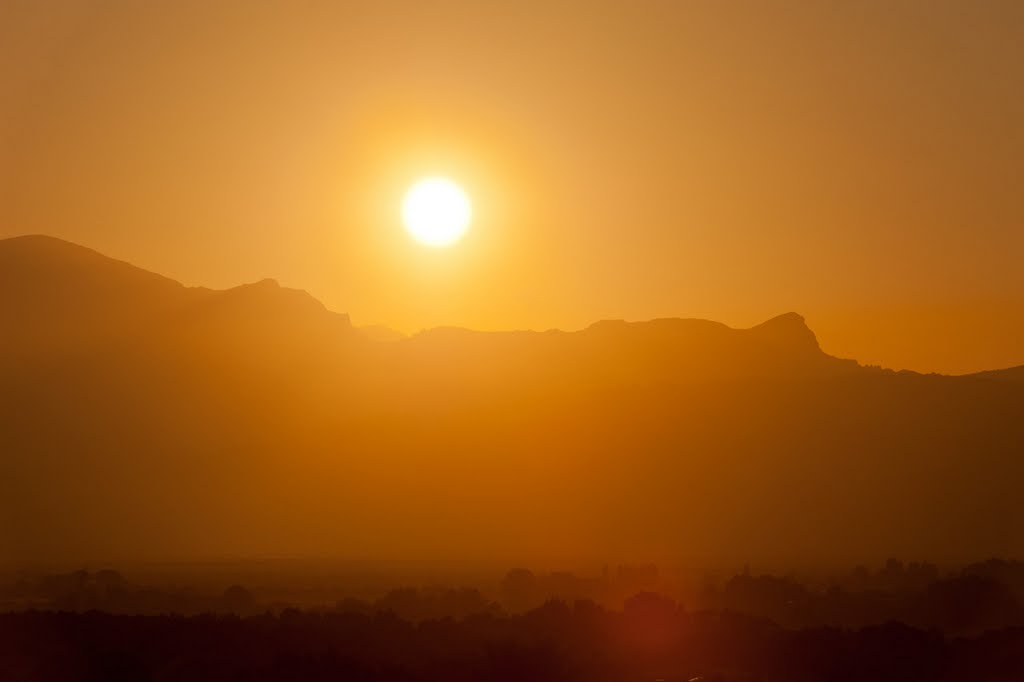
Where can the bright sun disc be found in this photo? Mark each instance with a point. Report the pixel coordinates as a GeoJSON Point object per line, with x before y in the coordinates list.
{"type": "Point", "coordinates": [436, 212]}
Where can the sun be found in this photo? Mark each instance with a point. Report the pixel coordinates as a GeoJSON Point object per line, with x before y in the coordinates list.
{"type": "Point", "coordinates": [436, 212]}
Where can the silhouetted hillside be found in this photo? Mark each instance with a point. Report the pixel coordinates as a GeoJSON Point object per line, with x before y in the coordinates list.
{"type": "Point", "coordinates": [56, 296]}
{"type": "Point", "coordinates": [965, 601]}
{"type": "Point", "coordinates": [1012, 374]}
{"type": "Point", "coordinates": [142, 418]}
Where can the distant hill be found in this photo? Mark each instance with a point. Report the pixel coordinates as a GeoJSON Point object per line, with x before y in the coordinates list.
{"type": "Point", "coordinates": [143, 419]}
{"type": "Point", "coordinates": [1013, 374]}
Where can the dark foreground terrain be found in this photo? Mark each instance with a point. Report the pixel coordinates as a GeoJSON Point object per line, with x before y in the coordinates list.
{"type": "Point", "coordinates": [902, 621]}
{"type": "Point", "coordinates": [650, 640]}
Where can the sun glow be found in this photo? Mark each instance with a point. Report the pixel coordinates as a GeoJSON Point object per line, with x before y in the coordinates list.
{"type": "Point", "coordinates": [436, 212]}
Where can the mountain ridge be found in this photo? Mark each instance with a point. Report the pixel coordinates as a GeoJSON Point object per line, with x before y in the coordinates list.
{"type": "Point", "coordinates": [169, 421]}
{"type": "Point", "coordinates": [49, 256]}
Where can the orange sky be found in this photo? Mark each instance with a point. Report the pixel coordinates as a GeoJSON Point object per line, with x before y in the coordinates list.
{"type": "Point", "coordinates": [860, 163]}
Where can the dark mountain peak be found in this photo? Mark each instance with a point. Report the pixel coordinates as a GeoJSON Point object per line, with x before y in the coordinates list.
{"type": "Point", "coordinates": [31, 259]}
{"type": "Point", "coordinates": [785, 320]}
{"type": "Point", "coordinates": [789, 330]}
{"type": "Point", "coordinates": [267, 299]}
{"type": "Point", "coordinates": [58, 294]}
{"type": "Point", "coordinates": [55, 293]}
{"type": "Point", "coordinates": [265, 283]}
{"type": "Point", "coordinates": [262, 290]}
{"type": "Point", "coordinates": [41, 250]}
{"type": "Point", "coordinates": [39, 241]}
{"type": "Point", "coordinates": [603, 325]}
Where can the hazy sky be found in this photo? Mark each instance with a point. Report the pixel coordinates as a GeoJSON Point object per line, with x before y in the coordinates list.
{"type": "Point", "coordinates": [858, 162]}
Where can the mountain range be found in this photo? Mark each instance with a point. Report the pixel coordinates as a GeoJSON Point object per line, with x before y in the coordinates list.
{"type": "Point", "coordinates": [141, 419]}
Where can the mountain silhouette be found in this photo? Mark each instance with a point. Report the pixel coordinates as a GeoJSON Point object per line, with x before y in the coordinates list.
{"type": "Point", "coordinates": [144, 419]}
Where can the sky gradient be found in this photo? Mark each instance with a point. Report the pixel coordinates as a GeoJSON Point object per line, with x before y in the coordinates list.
{"type": "Point", "coordinates": [859, 163]}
